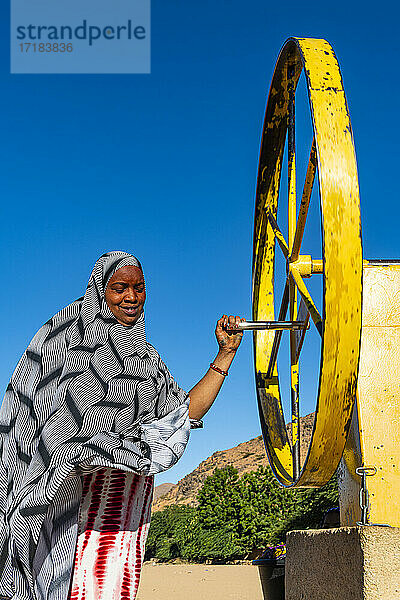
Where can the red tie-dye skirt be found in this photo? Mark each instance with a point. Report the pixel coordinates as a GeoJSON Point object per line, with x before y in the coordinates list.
{"type": "Point", "coordinates": [113, 525]}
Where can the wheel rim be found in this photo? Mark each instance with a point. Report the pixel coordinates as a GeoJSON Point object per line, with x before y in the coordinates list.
{"type": "Point", "coordinates": [332, 158]}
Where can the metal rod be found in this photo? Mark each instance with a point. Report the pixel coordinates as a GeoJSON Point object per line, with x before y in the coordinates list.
{"type": "Point", "coordinates": [268, 325]}
{"type": "Point", "coordinates": [291, 159]}
{"type": "Point", "coordinates": [278, 334]}
{"type": "Point", "coordinates": [294, 365]}
{"type": "Point", "coordinates": [302, 315]}
{"type": "Point", "coordinates": [317, 266]}
{"type": "Point", "coordinates": [305, 202]}
{"type": "Point", "coordinates": [316, 317]}
{"type": "Point", "coordinates": [278, 234]}
{"type": "Point", "coordinates": [295, 421]}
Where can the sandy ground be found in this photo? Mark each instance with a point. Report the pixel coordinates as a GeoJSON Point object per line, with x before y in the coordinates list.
{"type": "Point", "coordinates": [199, 582]}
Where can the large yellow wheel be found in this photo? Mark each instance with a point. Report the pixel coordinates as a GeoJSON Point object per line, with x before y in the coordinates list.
{"type": "Point", "coordinates": [338, 320]}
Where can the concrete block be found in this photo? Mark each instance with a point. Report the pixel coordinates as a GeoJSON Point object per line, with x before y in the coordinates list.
{"type": "Point", "coordinates": [347, 563]}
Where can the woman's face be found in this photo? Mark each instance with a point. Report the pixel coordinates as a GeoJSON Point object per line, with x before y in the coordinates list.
{"type": "Point", "coordinates": [126, 294]}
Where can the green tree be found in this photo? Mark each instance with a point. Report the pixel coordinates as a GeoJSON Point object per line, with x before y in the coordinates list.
{"type": "Point", "coordinates": [220, 500]}
{"type": "Point", "coordinates": [170, 531]}
{"type": "Point", "coordinates": [236, 516]}
{"type": "Point", "coordinates": [311, 505]}
{"type": "Point", "coordinates": [266, 505]}
{"type": "Point", "coordinates": [249, 508]}
{"type": "Point", "coordinates": [220, 507]}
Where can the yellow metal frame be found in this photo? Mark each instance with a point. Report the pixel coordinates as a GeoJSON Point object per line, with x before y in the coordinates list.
{"type": "Point", "coordinates": [374, 437]}
{"type": "Point", "coordinates": [332, 156]}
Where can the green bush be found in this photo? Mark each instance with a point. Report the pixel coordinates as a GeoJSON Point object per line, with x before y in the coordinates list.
{"type": "Point", "coordinates": [311, 505]}
{"type": "Point", "coordinates": [169, 532]}
{"type": "Point", "coordinates": [236, 517]}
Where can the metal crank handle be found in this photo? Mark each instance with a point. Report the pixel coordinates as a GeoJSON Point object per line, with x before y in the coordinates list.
{"type": "Point", "coordinates": [266, 325]}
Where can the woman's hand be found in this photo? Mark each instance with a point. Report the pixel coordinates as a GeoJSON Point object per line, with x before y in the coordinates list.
{"type": "Point", "coordinates": [228, 341]}
{"type": "Point", "coordinates": [205, 391]}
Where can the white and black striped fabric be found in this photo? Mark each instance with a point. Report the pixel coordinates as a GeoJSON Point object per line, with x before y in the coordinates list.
{"type": "Point", "coordinates": [87, 393]}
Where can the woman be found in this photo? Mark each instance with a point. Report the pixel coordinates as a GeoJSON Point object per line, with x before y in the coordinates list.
{"type": "Point", "coordinates": [90, 415]}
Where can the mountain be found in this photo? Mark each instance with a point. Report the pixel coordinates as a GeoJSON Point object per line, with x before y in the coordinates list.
{"type": "Point", "coordinates": [245, 457]}
{"type": "Point", "coordinates": [161, 490]}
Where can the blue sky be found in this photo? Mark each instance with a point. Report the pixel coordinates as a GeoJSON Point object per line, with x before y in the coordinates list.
{"type": "Point", "coordinates": [164, 166]}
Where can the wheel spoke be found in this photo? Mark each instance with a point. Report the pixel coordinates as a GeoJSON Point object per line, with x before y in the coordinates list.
{"type": "Point", "coordinates": [303, 316]}
{"type": "Point", "coordinates": [305, 202]}
{"type": "Point", "coordinates": [294, 382]}
{"type": "Point", "coordinates": [292, 211]}
{"type": "Point", "coordinates": [295, 402]}
{"type": "Point", "coordinates": [278, 234]}
{"type": "Point", "coordinates": [278, 334]}
{"type": "Point", "coordinates": [291, 159]}
{"type": "Point", "coordinates": [316, 317]}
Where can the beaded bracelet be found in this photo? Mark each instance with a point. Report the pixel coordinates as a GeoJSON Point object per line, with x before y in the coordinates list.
{"type": "Point", "coordinates": [215, 368]}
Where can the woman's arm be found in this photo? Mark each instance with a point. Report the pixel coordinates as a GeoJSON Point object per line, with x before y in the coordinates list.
{"type": "Point", "coordinates": [205, 391]}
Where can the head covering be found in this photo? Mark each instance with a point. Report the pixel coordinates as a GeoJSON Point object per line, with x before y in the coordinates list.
{"type": "Point", "coordinates": [88, 392]}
